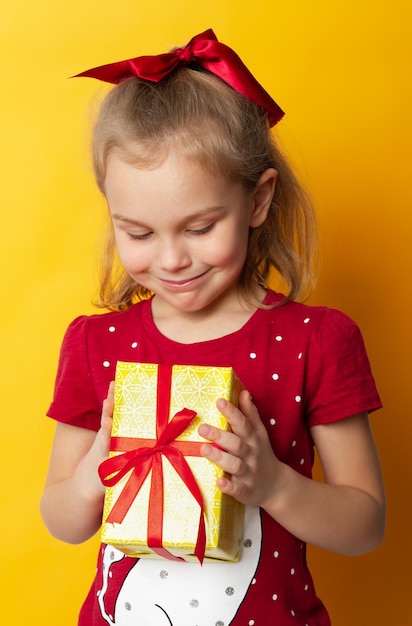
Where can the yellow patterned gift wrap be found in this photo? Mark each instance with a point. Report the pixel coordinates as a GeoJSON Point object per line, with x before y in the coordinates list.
{"type": "Point", "coordinates": [192, 387]}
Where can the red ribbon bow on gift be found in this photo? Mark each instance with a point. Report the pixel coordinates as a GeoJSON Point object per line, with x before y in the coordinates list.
{"type": "Point", "coordinates": [143, 455]}
{"type": "Point", "coordinates": [204, 51]}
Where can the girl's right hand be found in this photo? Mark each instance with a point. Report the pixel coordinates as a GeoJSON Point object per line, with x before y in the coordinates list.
{"type": "Point", "coordinates": [102, 441]}
{"type": "Point", "coordinates": [72, 501]}
{"type": "Point", "coordinates": [99, 450]}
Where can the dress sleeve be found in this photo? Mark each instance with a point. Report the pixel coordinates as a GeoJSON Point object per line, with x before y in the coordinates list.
{"type": "Point", "coordinates": [75, 401]}
{"type": "Point", "coordinates": [339, 378]}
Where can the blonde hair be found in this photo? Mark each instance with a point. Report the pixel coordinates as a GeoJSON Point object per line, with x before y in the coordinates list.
{"type": "Point", "coordinates": [227, 134]}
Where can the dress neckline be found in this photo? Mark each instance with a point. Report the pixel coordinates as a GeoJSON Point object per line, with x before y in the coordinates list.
{"type": "Point", "coordinates": [151, 329]}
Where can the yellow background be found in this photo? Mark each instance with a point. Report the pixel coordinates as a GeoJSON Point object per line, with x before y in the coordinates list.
{"type": "Point", "coordinates": [342, 72]}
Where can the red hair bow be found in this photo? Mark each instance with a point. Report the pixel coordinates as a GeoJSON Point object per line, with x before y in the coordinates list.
{"type": "Point", "coordinates": [203, 50]}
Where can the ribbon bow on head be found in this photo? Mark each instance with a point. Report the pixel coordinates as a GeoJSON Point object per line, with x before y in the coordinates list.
{"type": "Point", "coordinates": [204, 51]}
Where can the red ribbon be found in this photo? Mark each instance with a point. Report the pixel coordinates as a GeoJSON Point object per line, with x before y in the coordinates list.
{"type": "Point", "coordinates": [203, 50]}
{"type": "Point", "coordinates": [143, 455]}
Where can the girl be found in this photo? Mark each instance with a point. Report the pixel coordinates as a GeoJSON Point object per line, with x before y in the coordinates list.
{"type": "Point", "coordinates": [203, 208]}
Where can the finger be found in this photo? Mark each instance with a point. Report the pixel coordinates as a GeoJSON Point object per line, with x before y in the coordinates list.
{"type": "Point", "coordinates": [108, 404]}
{"type": "Point", "coordinates": [225, 485]}
{"type": "Point", "coordinates": [110, 395]}
{"type": "Point", "coordinates": [229, 463]}
{"type": "Point", "coordinates": [249, 409]}
{"type": "Point", "coordinates": [224, 439]}
{"type": "Point", "coordinates": [237, 421]}
{"type": "Point", "coordinates": [107, 410]}
{"type": "Point", "coordinates": [238, 489]}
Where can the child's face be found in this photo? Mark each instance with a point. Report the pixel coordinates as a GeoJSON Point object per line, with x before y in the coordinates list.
{"type": "Point", "coordinates": [180, 231]}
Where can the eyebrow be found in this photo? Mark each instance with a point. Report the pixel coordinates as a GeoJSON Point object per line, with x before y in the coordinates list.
{"type": "Point", "coordinates": [126, 220]}
{"type": "Point", "coordinates": [198, 214]}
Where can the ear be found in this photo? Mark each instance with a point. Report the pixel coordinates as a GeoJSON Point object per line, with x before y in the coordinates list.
{"type": "Point", "coordinates": [262, 197]}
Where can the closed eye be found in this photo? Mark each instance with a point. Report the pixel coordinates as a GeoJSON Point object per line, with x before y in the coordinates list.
{"type": "Point", "coordinates": [140, 237]}
{"type": "Point", "coordinates": [201, 231]}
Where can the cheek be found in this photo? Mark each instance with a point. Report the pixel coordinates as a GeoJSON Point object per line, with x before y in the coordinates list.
{"type": "Point", "coordinates": [231, 246]}
{"type": "Point", "coordinates": [133, 260]}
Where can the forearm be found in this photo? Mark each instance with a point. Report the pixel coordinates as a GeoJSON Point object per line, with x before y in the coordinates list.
{"type": "Point", "coordinates": [71, 510]}
{"type": "Point", "coordinates": [72, 502]}
{"type": "Point", "coordinates": [345, 513]}
{"type": "Point", "coordinates": [339, 518]}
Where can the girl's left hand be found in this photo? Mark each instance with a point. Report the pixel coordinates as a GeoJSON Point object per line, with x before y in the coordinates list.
{"type": "Point", "coordinates": [245, 454]}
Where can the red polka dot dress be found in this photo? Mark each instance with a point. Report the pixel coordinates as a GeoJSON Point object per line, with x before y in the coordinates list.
{"type": "Point", "coordinates": [303, 366]}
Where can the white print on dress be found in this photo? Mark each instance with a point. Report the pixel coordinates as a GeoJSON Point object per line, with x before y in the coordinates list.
{"type": "Point", "coordinates": [171, 593]}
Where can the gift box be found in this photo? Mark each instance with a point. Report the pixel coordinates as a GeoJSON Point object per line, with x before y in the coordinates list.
{"type": "Point", "coordinates": [161, 495]}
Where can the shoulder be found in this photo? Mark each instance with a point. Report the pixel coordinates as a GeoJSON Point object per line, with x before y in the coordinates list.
{"type": "Point", "coordinates": [98, 338]}
{"type": "Point", "coordinates": [318, 320]}
{"type": "Point", "coordinates": [321, 316]}
{"type": "Point", "coordinates": [91, 326]}
{"type": "Point", "coordinates": [322, 335]}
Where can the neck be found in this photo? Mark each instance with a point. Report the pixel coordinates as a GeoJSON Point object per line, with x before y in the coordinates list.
{"type": "Point", "coordinates": [211, 323]}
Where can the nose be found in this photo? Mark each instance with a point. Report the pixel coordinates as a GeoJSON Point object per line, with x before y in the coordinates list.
{"type": "Point", "coordinates": [173, 254]}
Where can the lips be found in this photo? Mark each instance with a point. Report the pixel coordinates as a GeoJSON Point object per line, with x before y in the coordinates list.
{"type": "Point", "coordinates": [184, 282]}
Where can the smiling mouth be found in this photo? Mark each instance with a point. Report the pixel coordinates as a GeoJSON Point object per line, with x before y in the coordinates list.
{"type": "Point", "coordinates": [184, 282]}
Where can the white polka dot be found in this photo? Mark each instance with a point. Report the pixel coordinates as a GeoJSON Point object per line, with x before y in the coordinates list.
{"type": "Point", "coordinates": [251, 622]}
{"type": "Point", "coordinates": [306, 320]}
{"type": "Point", "coordinates": [254, 581]}
{"type": "Point", "coordinates": [300, 355]}
{"type": "Point", "coordinates": [292, 612]}
{"type": "Point", "coordinates": [272, 421]}
{"type": "Point", "coordinates": [106, 363]}
{"type": "Point", "coordinates": [302, 461]}
{"type": "Point", "coordinates": [275, 376]}
{"type": "Point", "coordinates": [293, 443]}
{"type": "Point", "coordinates": [275, 596]}
{"type": "Point", "coordinates": [278, 337]}
{"type": "Point", "coordinates": [298, 398]}
{"type": "Point", "coordinates": [276, 554]}
{"type": "Point", "coordinates": [253, 355]}
{"type": "Point", "coordinates": [134, 344]}
{"type": "Point", "coordinates": [112, 329]}
{"type": "Point", "coordinates": [292, 571]}
{"type": "Point", "coordinates": [306, 587]}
